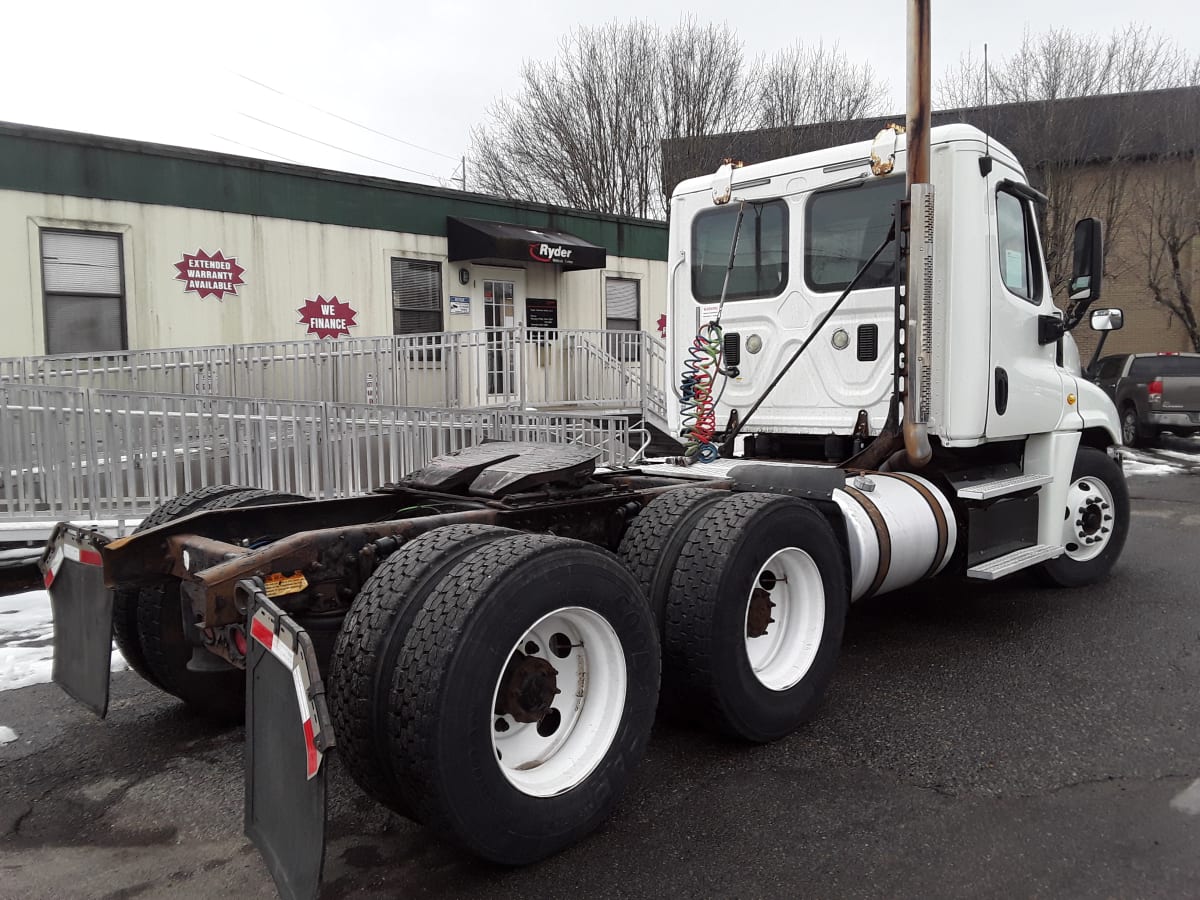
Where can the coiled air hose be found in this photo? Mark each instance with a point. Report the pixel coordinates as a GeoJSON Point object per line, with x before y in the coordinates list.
{"type": "Point", "coordinates": [697, 404]}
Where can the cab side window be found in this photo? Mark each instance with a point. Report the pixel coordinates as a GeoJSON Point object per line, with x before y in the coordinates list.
{"type": "Point", "coordinates": [1020, 261]}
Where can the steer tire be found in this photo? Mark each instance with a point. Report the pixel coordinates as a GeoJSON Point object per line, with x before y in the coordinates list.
{"type": "Point", "coordinates": [221, 694]}
{"type": "Point", "coordinates": [652, 544]}
{"type": "Point", "coordinates": [707, 647]}
{"type": "Point", "coordinates": [364, 654]}
{"type": "Point", "coordinates": [125, 600]}
{"type": "Point", "coordinates": [446, 696]}
{"type": "Point", "coordinates": [1066, 571]}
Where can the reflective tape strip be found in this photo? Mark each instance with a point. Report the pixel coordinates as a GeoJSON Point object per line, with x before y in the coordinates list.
{"type": "Point", "coordinates": [310, 745]}
{"type": "Point", "coordinates": [262, 633]}
{"type": "Point", "coordinates": [52, 568]}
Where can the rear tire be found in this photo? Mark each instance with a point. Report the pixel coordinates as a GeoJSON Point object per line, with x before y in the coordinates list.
{"type": "Point", "coordinates": [476, 656]}
{"type": "Point", "coordinates": [1132, 432]}
{"type": "Point", "coordinates": [652, 544]}
{"type": "Point", "coordinates": [165, 646]}
{"type": "Point", "coordinates": [125, 602]}
{"type": "Point", "coordinates": [1097, 508]}
{"type": "Point", "coordinates": [755, 617]}
{"type": "Point", "coordinates": [364, 655]}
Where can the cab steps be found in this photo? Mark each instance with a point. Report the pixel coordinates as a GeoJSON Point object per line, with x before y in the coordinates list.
{"type": "Point", "coordinates": [1014, 562]}
{"type": "Point", "coordinates": [987, 490]}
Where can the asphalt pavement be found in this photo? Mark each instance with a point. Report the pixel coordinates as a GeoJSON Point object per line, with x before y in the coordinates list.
{"type": "Point", "coordinates": [984, 740]}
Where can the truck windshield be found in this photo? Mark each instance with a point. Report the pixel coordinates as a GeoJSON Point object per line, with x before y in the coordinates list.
{"type": "Point", "coordinates": [1153, 366]}
{"type": "Point", "coordinates": [760, 268]}
{"type": "Point", "coordinates": [843, 228]}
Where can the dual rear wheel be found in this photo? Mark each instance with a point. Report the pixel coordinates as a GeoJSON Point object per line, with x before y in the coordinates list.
{"type": "Point", "coordinates": [497, 687]}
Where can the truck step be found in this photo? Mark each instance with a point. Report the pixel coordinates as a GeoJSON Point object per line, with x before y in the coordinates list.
{"type": "Point", "coordinates": [1014, 562]}
{"type": "Point", "coordinates": [988, 489]}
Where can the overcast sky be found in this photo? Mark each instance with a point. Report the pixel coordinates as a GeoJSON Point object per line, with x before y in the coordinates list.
{"type": "Point", "coordinates": [423, 71]}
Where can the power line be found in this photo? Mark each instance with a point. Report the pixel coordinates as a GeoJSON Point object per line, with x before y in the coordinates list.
{"type": "Point", "coordinates": [327, 112]}
{"type": "Point", "coordinates": [382, 162]}
{"type": "Point", "coordinates": [221, 137]}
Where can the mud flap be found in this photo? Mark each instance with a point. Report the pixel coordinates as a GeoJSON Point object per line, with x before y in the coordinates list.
{"type": "Point", "coordinates": [82, 608]}
{"type": "Point", "coordinates": [288, 732]}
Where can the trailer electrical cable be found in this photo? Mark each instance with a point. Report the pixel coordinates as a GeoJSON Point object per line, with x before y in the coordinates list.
{"type": "Point", "coordinates": [697, 406]}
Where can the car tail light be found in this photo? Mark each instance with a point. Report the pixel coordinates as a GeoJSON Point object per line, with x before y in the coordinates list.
{"type": "Point", "coordinates": [1154, 390]}
{"type": "Point", "coordinates": [1168, 353]}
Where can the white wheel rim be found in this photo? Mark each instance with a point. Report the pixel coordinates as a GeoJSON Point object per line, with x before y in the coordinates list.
{"type": "Point", "coordinates": [782, 654]}
{"type": "Point", "coordinates": [557, 753]}
{"type": "Point", "coordinates": [1089, 521]}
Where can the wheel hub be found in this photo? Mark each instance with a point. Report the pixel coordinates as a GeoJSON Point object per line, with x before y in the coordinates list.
{"type": "Point", "coordinates": [1089, 518]}
{"type": "Point", "coordinates": [758, 618]}
{"type": "Point", "coordinates": [527, 689]}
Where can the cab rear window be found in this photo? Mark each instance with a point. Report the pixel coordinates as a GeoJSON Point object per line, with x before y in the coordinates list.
{"type": "Point", "coordinates": [760, 267]}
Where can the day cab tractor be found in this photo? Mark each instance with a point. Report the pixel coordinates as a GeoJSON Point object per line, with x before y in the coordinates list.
{"type": "Point", "coordinates": [875, 389]}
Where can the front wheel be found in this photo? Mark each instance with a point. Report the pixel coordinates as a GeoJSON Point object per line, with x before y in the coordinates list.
{"type": "Point", "coordinates": [1095, 521]}
{"type": "Point", "coordinates": [523, 697]}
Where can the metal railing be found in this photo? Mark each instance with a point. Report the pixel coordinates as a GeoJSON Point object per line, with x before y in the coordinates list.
{"type": "Point", "coordinates": [100, 454]}
{"type": "Point", "coordinates": [595, 369]}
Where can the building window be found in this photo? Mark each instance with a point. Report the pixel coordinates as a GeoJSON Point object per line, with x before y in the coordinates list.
{"type": "Point", "coordinates": [1020, 262]}
{"type": "Point", "coordinates": [843, 228]}
{"type": "Point", "coordinates": [416, 296]}
{"type": "Point", "coordinates": [760, 268]}
{"type": "Point", "coordinates": [622, 312]}
{"type": "Point", "coordinates": [84, 285]}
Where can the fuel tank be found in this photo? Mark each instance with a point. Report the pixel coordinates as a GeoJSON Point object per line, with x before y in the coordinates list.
{"type": "Point", "coordinates": [900, 529]}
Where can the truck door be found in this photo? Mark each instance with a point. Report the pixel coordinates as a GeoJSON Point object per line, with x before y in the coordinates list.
{"type": "Point", "coordinates": [1026, 389]}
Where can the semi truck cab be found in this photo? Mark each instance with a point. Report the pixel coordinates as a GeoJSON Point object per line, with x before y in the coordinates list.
{"type": "Point", "coordinates": [809, 223]}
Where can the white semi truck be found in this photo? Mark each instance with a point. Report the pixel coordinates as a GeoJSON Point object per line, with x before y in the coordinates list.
{"type": "Point", "coordinates": [875, 388]}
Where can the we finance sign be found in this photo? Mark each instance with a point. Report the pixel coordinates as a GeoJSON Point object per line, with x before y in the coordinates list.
{"type": "Point", "coordinates": [210, 276]}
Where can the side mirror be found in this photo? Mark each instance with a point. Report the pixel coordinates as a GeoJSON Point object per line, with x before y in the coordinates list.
{"type": "Point", "coordinates": [1107, 320]}
{"type": "Point", "coordinates": [1087, 272]}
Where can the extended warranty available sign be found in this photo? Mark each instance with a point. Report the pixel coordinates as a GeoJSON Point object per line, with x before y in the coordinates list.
{"type": "Point", "coordinates": [209, 276]}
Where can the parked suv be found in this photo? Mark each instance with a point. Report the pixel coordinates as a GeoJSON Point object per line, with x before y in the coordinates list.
{"type": "Point", "coordinates": [1153, 392]}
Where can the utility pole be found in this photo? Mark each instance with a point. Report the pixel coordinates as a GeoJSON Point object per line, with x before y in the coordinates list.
{"type": "Point", "coordinates": [464, 172]}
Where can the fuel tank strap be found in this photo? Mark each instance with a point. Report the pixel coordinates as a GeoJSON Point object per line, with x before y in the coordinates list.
{"type": "Point", "coordinates": [881, 533]}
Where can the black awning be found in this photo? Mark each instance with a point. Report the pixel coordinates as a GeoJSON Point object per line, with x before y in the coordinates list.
{"type": "Point", "coordinates": [482, 241]}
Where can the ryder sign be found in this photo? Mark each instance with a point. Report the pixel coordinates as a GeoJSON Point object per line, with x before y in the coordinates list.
{"type": "Point", "coordinates": [550, 253]}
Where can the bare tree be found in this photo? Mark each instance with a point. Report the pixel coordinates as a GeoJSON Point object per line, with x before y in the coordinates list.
{"type": "Point", "coordinates": [1076, 152]}
{"type": "Point", "coordinates": [586, 128]}
{"type": "Point", "coordinates": [803, 85]}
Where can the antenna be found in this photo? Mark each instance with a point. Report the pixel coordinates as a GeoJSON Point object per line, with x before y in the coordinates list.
{"type": "Point", "coordinates": [985, 162]}
{"type": "Point", "coordinates": [987, 137]}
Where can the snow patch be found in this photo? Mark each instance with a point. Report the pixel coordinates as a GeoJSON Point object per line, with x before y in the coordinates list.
{"type": "Point", "coordinates": [27, 641]}
{"type": "Point", "coordinates": [1188, 800]}
{"type": "Point", "coordinates": [7, 735]}
{"type": "Point", "coordinates": [1137, 467]}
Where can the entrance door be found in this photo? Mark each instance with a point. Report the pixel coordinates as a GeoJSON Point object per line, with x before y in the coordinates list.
{"type": "Point", "coordinates": [500, 319]}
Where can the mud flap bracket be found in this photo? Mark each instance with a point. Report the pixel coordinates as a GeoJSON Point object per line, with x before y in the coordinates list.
{"type": "Point", "coordinates": [288, 733]}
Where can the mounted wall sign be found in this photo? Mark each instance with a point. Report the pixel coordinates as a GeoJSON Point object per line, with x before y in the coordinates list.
{"type": "Point", "coordinates": [210, 276]}
{"type": "Point", "coordinates": [541, 313]}
{"type": "Point", "coordinates": [327, 318]}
